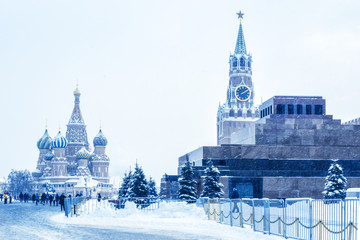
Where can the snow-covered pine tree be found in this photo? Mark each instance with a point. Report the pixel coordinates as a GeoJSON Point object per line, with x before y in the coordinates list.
{"type": "Point", "coordinates": [151, 188]}
{"type": "Point", "coordinates": [187, 183]}
{"type": "Point", "coordinates": [212, 185]}
{"type": "Point", "coordinates": [125, 185]}
{"type": "Point", "coordinates": [335, 183]}
{"type": "Point", "coordinates": [138, 185]}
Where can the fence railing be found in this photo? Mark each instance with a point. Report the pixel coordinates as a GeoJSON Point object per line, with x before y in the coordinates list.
{"type": "Point", "coordinates": [80, 205]}
{"type": "Point", "coordinates": [290, 218]}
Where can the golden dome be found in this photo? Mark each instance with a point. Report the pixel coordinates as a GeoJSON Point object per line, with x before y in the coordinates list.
{"type": "Point", "coordinates": [77, 92]}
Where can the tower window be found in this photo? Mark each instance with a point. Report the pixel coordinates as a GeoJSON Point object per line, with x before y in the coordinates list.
{"type": "Point", "coordinates": [231, 114]}
{"type": "Point", "coordinates": [290, 109]}
{"type": "Point", "coordinates": [249, 64]}
{"type": "Point", "coordinates": [299, 109]}
{"type": "Point", "coordinates": [308, 109]}
{"type": "Point", "coordinates": [242, 62]}
{"type": "Point", "coordinates": [234, 62]}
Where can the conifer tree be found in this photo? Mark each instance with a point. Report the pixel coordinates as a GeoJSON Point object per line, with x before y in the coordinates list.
{"type": "Point", "coordinates": [335, 183]}
{"type": "Point", "coordinates": [125, 186]}
{"type": "Point", "coordinates": [152, 192]}
{"type": "Point", "coordinates": [138, 185]}
{"type": "Point", "coordinates": [212, 186]}
{"type": "Point", "coordinates": [187, 183]}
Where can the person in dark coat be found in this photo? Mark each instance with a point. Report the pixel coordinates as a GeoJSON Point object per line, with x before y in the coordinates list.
{"type": "Point", "coordinates": [21, 196]}
{"type": "Point", "coordinates": [33, 198]}
{"type": "Point", "coordinates": [10, 199]}
{"type": "Point", "coordinates": [57, 198]}
{"type": "Point", "coordinates": [62, 202]}
{"type": "Point", "coordinates": [235, 196]}
{"type": "Point", "coordinates": [99, 197]}
{"type": "Point", "coordinates": [51, 198]}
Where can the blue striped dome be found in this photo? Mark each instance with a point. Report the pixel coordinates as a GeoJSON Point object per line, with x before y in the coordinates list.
{"type": "Point", "coordinates": [83, 153]}
{"type": "Point", "coordinates": [45, 141]}
{"type": "Point", "coordinates": [59, 141]}
{"type": "Point", "coordinates": [100, 139]}
{"type": "Point", "coordinates": [49, 155]}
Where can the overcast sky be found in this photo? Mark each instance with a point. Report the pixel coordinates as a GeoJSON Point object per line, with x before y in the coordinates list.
{"type": "Point", "coordinates": [154, 72]}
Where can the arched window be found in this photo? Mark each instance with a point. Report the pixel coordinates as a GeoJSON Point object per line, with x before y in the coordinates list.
{"type": "Point", "coordinates": [231, 113]}
{"type": "Point", "coordinates": [242, 62]}
{"type": "Point", "coordinates": [234, 62]}
{"type": "Point", "coordinates": [239, 113]}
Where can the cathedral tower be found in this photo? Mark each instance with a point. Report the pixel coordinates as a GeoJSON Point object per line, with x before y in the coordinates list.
{"type": "Point", "coordinates": [76, 135]}
{"type": "Point", "coordinates": [58, 162]}
{"type": "Point", "coordinates": [43, 145]}
{"type": "Point", "coordinates": [99, 161]}
{"type": "Point", "coordinates": [239, 111]}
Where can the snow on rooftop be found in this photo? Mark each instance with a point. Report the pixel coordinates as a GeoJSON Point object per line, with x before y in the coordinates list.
{"type": "Point", "coordinates": [353, 190]}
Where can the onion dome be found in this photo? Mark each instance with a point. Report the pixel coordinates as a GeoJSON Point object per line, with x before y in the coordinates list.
{"type": "Point", "coordinates": [100, 139]}
{"type": "Point", "coordinates": [77, 92]}
{"type": "Point", "coordinates": [59, 141]}
{"type": "Point", "coordinates": [45, 141]}
{"type": "Point", "coordinates": [83, 153]}
{"type": "Point", "coordinates": [49, 155]}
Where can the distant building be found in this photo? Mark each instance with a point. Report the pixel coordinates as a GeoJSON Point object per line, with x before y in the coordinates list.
{"type": "Point", "coordinates": [283, 150]}
{"type": "Point", "coordinates": [66, 165]}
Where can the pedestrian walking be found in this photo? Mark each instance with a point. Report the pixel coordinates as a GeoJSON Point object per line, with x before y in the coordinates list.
{"type": "Point", "coordinates": [37, 198]}
{"type": "Point", "coordinates": [235, 196]}
{"type": "Point", "coordinates": [62, 202]}
{"type": "Point", "coordinates": [57, 198]}
{"type": "Point", "coordinates": [21, 197]}
{"type": "Point", "coordinates": [99, 197]}
{"type": "Point", "coordinates": [5, 198]}
{"type": "Point", "coordinates": [51, 198]}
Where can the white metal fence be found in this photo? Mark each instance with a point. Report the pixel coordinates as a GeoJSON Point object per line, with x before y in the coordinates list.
{"type": "Point", "coordinates": [80, 205]}
{"type": "Point", "coordinates": [290, 218]}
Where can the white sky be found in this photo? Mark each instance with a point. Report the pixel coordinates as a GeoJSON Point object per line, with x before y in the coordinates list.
{"type": "Point", "coordinates": [154, 71]}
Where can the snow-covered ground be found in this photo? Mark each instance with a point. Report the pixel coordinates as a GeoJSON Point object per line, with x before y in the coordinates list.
{"type": "Point", "coordinates": [171, 221]}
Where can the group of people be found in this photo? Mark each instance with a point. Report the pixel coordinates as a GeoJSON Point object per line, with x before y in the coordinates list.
{"type": "Point", "coordinates": [42, 198]}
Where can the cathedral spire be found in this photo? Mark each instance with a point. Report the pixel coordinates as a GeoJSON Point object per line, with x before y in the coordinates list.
{"type": "Point", "coordinates": [240, 43]}
{"type": "Point", "coordinates": [76, 117]}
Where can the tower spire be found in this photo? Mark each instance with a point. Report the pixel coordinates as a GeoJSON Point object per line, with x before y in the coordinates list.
{"type": "Point", "coordinates": [240, 43]}
{"type": "Point", "coordinates": [76, 117]}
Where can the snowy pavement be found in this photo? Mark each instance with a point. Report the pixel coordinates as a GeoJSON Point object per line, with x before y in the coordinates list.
{"type": "Point", "coordinates": [174, 221]}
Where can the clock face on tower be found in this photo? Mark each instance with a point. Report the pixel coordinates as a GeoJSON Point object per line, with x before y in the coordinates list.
{"type": "Point", "coordinates": [242, 93]}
